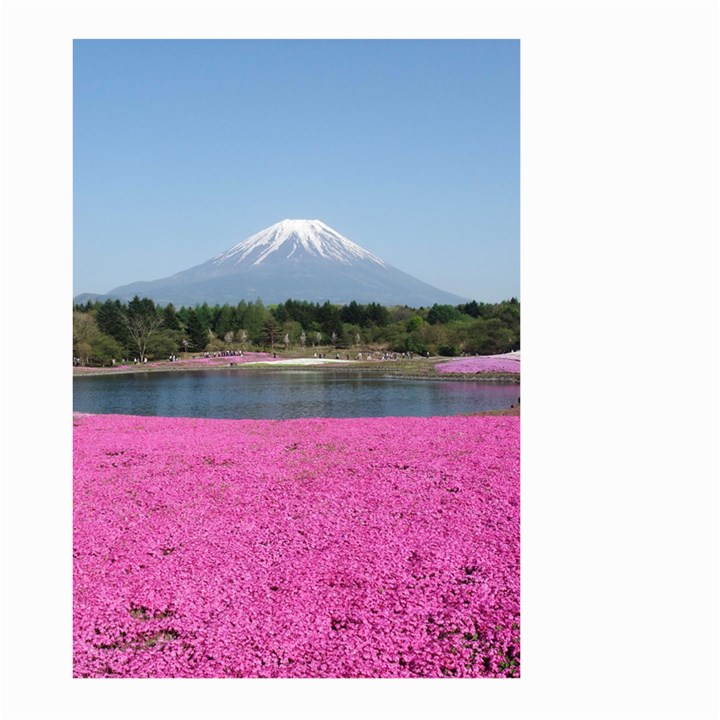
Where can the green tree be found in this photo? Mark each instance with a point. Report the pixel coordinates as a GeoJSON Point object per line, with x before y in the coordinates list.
{"type": "Point", "coordinates": [255, 316]}
{"type": "Point", "coordinates": [164, 343]}
{"type": "Point", "coordinates": [170, 318]}
{"type": "Point", "coordinates": [105, 349]}
{"type": "Point", "coordinates": [142, 321]}
{"type": "Point", "coordinates": [377, 314]}
{"type": "Point", "coordinates": [414, 323]}
{"type": "Point", "coordinates": [472, 309]}
{"type": "Point", "coordinates": [271, 332]}
{"type": "Point", "coordinates": [110, 320]}
{"type": "Point", "coordinates": [205, 314]}
{"type": "Point", "coordinates": [89, 344]}
{"type": "Point", "coordinates": [294, 331]}
{"type": "Point", "coordinates": [224, 321]}
{"type": "Point", "coordinates": [197, 331]}
{"type": "Point", "coordinates": [239, 316]}
{"type": "Point", "coordinates": [329, 319]}
{"type": "Point", "coordinates": [85, 332]}
{"type": "Point", "coordinates": [281, 313]}
{"type": "Point", "coordinates": [353, 314]}
{"type": "Point", "coordinates": [442, 314]}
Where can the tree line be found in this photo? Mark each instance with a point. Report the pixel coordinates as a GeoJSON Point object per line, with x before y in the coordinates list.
{"type": "Point", "coordinates": [139, 329]}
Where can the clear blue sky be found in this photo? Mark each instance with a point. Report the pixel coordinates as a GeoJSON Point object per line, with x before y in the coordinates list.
{"type": "Point", "coordinates": [409, 148]}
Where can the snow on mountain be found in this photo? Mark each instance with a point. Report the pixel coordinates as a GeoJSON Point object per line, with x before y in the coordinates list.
{"type": "Point", "coordinates": [297, 259]}
{"type": "Point", "coordinates": [296, 236]}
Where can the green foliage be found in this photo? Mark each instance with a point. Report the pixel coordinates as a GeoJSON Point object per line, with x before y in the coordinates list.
{"type": "Point", "coordinates": [271, 332]}
{"type": "Point", "coordinates": [105, 349]}
{"type": "Point", "coordinates": [223, 320]}
{"type": "Point", "coordinates": [414, 323]}
{"type": "Point", "coordinates": [141, 326]}
{"type": "Point", "coordinates": [196, 330]}
{"type": "Point", "coordinates": [443, 314]}
{"type": "Point", "coordinates": [377, 315]}
{"type": "Point", "coordinates": [171, 321]}
{"type": "Point", "coordinates": [254, 320]}
{"type": "Point", "coordinates": [110, 320]}
{"type": "Point", "coordinates": [449, 350]}
{"type": "Point", "coordinates": [353, 314]}
{"type": "Point", "coordinates": [90, 345]}
{"type": "Point", "coordinates": [142, 320]}
{"type": "Point", "coordinates": [85, 332]}
{"type": "Point", "coordinates": [163, 344]}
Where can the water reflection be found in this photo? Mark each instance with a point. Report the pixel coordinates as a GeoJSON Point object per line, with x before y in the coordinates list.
{"type": "Point", "coordinates": [276, 395]}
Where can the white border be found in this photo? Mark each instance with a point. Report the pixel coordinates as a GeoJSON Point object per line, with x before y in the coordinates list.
{"type": "Point", "coordinates": [620, 358]}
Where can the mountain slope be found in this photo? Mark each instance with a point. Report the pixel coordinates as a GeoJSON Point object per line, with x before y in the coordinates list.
{"type": "Point", "coordinates": [299, 259]}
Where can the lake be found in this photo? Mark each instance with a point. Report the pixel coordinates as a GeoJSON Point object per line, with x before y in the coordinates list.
{"type": "Point", "coordinates": [284, 394]}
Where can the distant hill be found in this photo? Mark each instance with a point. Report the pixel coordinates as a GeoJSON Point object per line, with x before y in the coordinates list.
{"type": "Point", "coordinates": [298, 259]}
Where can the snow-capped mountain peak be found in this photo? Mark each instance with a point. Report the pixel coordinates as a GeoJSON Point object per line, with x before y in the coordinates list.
{"type": "Point", "coordinates": [292, 259]}
{"type": "Point", "coordinates": [290, 239]}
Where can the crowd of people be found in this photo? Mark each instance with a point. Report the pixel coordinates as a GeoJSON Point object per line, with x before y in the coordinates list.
{"type": "Point", "coordinates": [377, 355]}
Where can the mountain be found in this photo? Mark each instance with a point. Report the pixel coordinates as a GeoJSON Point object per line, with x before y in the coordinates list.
{"type": "Point", "coordinates": [298, 259]}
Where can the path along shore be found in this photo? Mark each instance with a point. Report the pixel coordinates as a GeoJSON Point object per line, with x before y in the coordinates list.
{"type": "Point", "coordinates": [416, 367]}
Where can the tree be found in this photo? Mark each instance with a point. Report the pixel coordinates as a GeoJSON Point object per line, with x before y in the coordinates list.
{"type": "Point", "coordinates": [329, 318]}
{"type": "Point", "coordinates": [85, 332]}
{"type": "Point", "coordinates": [443, 314]}
{"type": "Point", "coordinates": [414, 323]}
{"type": "Point", "coordinates": [378, 314]}
{"type": "Point", "coordinates": [170, 318]}
{"type": "Point", "coordinates": [224, 320]}
{"type": "Point", "coordinates": [197, 331]}
{"type": "Point", "coordinates": [281, 313]}
{"type": "Point", "coordinates": [91, 345]}
{"type": "Point", "coordinates": [472, 309]}
{"type": "Point", "coordinates": [105, 349]}
{"type": "Point", "coordinates": [164, 343]}
{"type": "Point", "coordinates": [271, 331]}
{"type": "Point", "coordinates": [110, 321]}
{"type": "Point", "coordinates": [254, 321]}
{"type": "Point", "coordinates": [214, 343]}
{"type": "Point", "coordinates": [142, 321]}
{"type": "Point", "coordinates": [353, 314]}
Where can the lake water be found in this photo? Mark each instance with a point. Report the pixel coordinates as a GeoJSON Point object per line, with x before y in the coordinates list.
{"type": "Point", "coordinates": [286, 394]}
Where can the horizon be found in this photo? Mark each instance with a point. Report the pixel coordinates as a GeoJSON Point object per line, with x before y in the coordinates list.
{"type": "Point", "coordinates": [184, 149]}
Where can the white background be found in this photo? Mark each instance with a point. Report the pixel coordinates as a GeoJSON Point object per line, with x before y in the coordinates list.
{"type": "Point", "coordinates": [620, 360]}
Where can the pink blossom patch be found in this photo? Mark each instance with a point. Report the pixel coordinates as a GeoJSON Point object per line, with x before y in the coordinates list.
{"type": "Point", "coordinates": [374, 547]}
{"type": "Point", "coordinates": [481, 364]}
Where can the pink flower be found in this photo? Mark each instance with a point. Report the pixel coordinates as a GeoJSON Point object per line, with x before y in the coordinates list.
{"type": "Point", "coordinates": [374, 547]}
{"type": "Point", "coordinates": [481, 364]}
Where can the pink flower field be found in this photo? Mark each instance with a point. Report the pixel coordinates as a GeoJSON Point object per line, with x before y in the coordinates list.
{"type": "Point", "coordinates": [374, 547]}
{"type": "Point", "coordinates": [508, 363]}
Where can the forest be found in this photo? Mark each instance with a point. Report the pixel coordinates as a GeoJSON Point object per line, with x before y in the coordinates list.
{"type": "Point", "coordinates": [109, 331]}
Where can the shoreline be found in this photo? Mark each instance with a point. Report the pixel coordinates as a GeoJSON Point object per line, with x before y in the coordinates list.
{"type": "Point", "coordinates": [414, 369]}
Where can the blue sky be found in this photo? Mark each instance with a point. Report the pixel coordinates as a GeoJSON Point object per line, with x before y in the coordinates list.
{"type": "Point", "coordinates": [409, 148]}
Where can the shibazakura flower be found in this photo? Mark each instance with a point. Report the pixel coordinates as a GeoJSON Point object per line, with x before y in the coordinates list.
{"type": "Point", "coordinates": [480, 364]}
{"type": "Point", "coordinates": [374, 547]}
